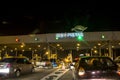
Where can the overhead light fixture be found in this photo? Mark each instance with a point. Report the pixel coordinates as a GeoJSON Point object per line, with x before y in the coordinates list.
{"type": "Point", "coordinates": [36, 39]}
{"type": "Point", "coordinates": [99, 44]}
{"type": "Point", "coordinates": [58, 44]}
{"type": "Point", "coordinates": [38, 45]}
{"type": "Point", "coordinates": [78, 44]}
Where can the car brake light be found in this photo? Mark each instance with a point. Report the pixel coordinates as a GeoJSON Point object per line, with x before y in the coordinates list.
{"type": "Point", "coordinates": [8, 65]}
{"type": "Point", "coordinates": [118, 72]}
{"type": "Point", "coordinates": [81, 71]}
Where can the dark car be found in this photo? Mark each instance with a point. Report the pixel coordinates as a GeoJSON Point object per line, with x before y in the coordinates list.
{"type": "Point", "coordinates": [95, 68]}
{"type": "Point", "coordinates": [15, 66]}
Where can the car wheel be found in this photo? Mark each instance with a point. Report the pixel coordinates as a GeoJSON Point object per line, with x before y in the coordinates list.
{"type": "Point", "coordinates": [17, 73]}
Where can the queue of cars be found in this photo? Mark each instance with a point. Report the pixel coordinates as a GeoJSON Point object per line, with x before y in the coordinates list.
{"type": "Point", "coordinates": [95, 68]}
{"type": "Point", "coordinates": [16, 66]}
{"type": "Point", "coordinates": [86, 68]}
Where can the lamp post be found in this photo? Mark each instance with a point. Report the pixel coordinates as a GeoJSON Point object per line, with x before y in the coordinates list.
{"type": "Point", "coordinates": [110, 50]}
{"type": "Point", "coordinates": [15, 51]}
{"type": "Point", "coordinates": [48, 48]}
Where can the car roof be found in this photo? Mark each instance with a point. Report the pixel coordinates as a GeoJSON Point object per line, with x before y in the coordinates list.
{"type": "Point", "coordinates": [15, 57]}
{"type": "Point", "coordinates": [94, 57]}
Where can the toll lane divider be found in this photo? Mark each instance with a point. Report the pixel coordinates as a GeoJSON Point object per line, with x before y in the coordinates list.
{"type": "Point", "coordinates": [55, 75]}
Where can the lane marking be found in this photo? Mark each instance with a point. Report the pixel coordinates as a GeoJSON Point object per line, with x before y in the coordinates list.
{"type": "Point", "coordinates": [55, 75]}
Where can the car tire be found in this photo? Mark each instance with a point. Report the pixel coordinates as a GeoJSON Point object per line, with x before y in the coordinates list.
{"type": "Point", "coordinates": [17, 73]}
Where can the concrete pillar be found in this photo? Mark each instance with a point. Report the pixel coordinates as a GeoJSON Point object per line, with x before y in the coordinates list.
{"type": "Point", "coordinates": [48, 50]}
{"type": "Point", "coordinates": [91, 52]}
{"type": "Point", "coordinates": [71, 56]}
{"type": "Point", "coordinates": [110, 50]}
{"type": "Point", "coordinates": [56, 53]}
{"type": "Point", "coordinates": [100, 51]}
{"type": "Point", "coordinates": [32, 54]}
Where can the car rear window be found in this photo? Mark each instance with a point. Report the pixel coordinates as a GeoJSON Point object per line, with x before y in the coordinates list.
{"type": "Point", "coordinates": [96, 61]}
{"type": "Point", "coordinates": [8, 60]}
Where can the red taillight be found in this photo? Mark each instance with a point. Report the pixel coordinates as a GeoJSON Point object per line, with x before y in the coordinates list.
{"type": "Point", "coordinates": [8, 65]}
{"type": "Point", "coordinates": [118, 72]}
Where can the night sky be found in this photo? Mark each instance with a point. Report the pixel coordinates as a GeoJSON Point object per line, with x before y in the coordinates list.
{"type": "Point", "coordinates": [57, 18]}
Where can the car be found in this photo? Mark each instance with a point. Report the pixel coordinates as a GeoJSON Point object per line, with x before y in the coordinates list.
{"type": "Point", "coordinates": [15, 66]}
{"type": "Point", "coordinates": [95, 68]}
{"type": "Point", "coordinates": [43, 63]}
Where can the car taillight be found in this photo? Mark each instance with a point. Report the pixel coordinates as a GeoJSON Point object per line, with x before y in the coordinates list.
{"type": "Point", "coordinates": [46, 63]}
{"type": "Point", "coordinates": [118, 72]}
{"type": "Point", "coordinates": [8, 65]}
{"type": "Point", "coordinates": [81, 71]}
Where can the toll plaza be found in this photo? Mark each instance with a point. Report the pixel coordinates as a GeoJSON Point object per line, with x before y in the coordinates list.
{"type": "Point", "coordinates": [55, 45]}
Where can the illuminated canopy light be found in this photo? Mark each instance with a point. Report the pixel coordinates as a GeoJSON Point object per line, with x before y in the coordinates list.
{"type": "Point", "coordinates": [57, 38]}
{"type": "Point", "coordinates": [103, 36]}
{"type": "Point", "coordinates": [36, 39]}
{"type": "Point", "coordinates": [78, 44]}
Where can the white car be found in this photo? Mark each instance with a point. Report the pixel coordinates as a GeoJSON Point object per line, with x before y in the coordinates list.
{"type": "Point", "coordinates": [15, 66]}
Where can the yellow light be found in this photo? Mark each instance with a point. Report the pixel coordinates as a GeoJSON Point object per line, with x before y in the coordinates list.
{"type": "Point", "coordinates": [46, 52]}
{"type": "Point", "coordinates": [78, 44]}
{"type": "Point", "coordinates": [58, 44]}
{"type": "Point", "coordinates": [99, 44]}
{"type": "Point", "coordinates": [81, 71]}
{"type": "Point", "coordinates": [21, 46]}
{"type": "Point", "coordinates": [66, 60]}
{"type": "Point", "coordinates": [95, 51]}
{"type": "Point", "coordinates": [38, 45]}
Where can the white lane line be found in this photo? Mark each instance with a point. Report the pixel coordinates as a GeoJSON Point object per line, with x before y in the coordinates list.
{"type": "Point", "coordinates": [55, 75]}
{"type": "Point", "coordinates": [61, 74]}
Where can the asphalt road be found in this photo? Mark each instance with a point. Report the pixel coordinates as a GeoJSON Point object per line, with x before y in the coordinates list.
{"type": "Point", "coordinates": [67, 76]}
{"type": "Point", "coordinates": [46, 74]}
{"type": "Point", "coordinates": [40, 73]}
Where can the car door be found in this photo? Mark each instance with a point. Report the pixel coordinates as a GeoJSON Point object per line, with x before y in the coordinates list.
{"type": "Point", "coordinates": [21, 64]}
{"type": "Point", "coordinates": [28, 65]}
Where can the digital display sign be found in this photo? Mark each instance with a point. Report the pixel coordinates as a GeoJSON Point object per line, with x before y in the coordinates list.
{"type": "Point", "coordinates": [69, 35]}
